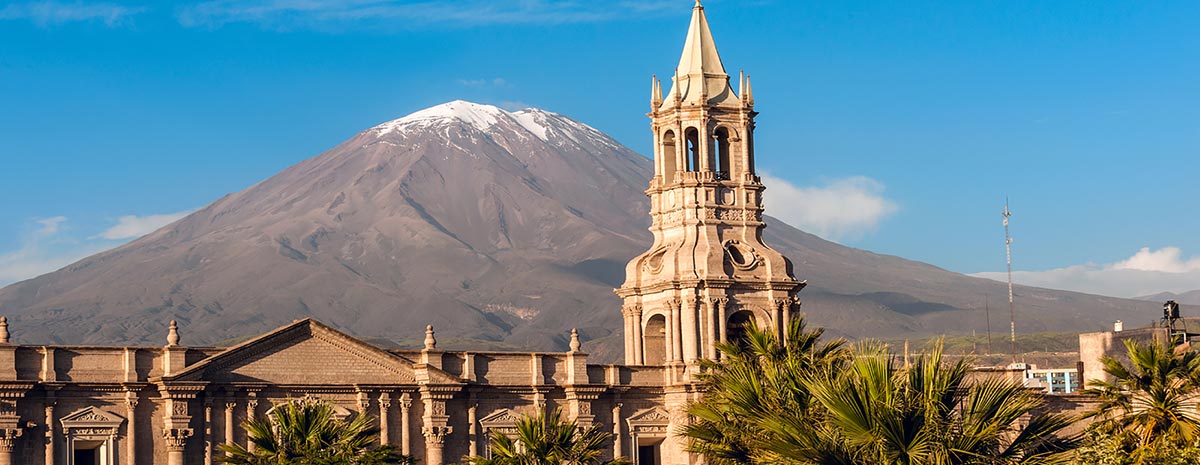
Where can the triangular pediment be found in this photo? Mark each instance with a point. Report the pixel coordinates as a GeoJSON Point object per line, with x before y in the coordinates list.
{"type": "Point", "coordinates": [652, 416]}
{"type": "Point", "coordinates": [503, 417]}
{"type": "Point", "coordinates": [304, 352]}
{"type": "Point", "coordinates": [91, 417]}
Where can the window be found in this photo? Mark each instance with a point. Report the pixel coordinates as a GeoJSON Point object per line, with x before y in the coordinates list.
{"type": "Point", "coordinates": [654, 341]}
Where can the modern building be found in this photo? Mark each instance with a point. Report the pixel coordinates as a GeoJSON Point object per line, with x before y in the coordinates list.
{"type": "Point", "coordinates": [707, 275]}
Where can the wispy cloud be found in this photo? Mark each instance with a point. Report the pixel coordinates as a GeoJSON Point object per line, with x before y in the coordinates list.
{"type": "Point", "coordinates": [42, 251]}
{"type": "Point", "coordinates": [133, 226]}
{"type": "Point", "coordinates": [842, 209]}
{"type": "Point", "coordinates": [399, 14]}
{"type": "Point", "coordinates": [1144, 273]}
{"type": "Point", "coordinates": [481, 83]}
{"type": "Point", "coordinates": [53, 13]}
{"type": "Point", "coordinates": [54, 242]}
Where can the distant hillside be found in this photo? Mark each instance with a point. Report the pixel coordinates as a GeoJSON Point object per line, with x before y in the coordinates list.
{"type": "Point", "coordinates": [1185, 298]}
{"type": "Point", "coordinates": [506, 228]}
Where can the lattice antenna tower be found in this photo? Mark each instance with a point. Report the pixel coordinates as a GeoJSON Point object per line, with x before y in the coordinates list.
{"type": "Point", "coordinates": [1012, 314]}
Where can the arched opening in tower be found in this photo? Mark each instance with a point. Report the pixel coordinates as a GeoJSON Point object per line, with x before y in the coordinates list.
{"type": "Point", "coordinates": [654, 344]}
{"type": "Point", "coordinates": [739, 322]}
{"type": "Point", "coordinates": [669, 156]}
{"type": "Point", "coordinates": [721, 137]}
{"type": "Point", "coordinates": [693, 149]}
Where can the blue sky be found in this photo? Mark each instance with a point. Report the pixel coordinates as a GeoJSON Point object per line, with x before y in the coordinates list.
{"type": "Point", "coordinates": [898, 127]}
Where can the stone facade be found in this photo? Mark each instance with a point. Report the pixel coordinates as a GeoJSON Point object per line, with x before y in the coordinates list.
{"type": "Point", "coordinates": [707, 274]}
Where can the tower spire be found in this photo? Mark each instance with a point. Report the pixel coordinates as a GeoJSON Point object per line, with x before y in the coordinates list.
{"type": "Point", "coordinates": [701, 78]}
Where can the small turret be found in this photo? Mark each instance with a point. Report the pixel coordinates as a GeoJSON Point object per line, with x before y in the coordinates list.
{"type": "Point", "coordinates": [655, 93]}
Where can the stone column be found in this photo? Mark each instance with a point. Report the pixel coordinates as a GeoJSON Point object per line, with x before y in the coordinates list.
{"type": "Point", "coordinates": [639, 351]}
{"type": "Point", "coordinates": [435, 443]}
{"type": "Point", "coordinates": [177, 419]}
{"type": "Point", "coordinates": [50, 431]}
{"type": "Point", "coordinates": [229, 406]}
{"type": "Point", "coordinates": [208, 436]}
{"type": "Point", "coordinates": [472, 430]}
{"type": "Point", "coordinates": [405, 435]}
{"type": "Point", "coordinates": [716, 314]}
{"type": "Point", "coordinates": [673, 332]}
{"type": "Point", "coordinates": [8, 443]}
{"type": "Point", "coordinates": [724, 313]}
{"type": "Point", "coordinates": [616, 431]}
{"type": "Point", "coordinates": [783, 308]}
{"type": "Point", "coordinates": [251, 406]}
{"type": "Point", "coordinates": [131, 402]}
{"type": "Point", "coordinates": [687, 333]}
{"type": "Point", "coordinates": [434, 423]}
{"type": "Point", "coordinates": [176, 439]}
{"type": "Point", "coordinates": [385, 405]}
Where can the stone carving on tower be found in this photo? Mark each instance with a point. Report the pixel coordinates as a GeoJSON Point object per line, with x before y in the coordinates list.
{"type": "Point", "coordinates": [709, 271]}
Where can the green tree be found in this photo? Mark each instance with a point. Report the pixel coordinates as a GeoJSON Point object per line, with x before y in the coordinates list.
{"type": "Point", "coordinates": [546, 439]}
{"type": "Point", "coordinates": [1103, 447]}
{"type": "Point", "coordinates": [306, 432]}
{"type": "Point", "coordinates": [928, 413]}
{"type": "Point", "coordinates": [758, 378]}
{"type": "Point", "coordinates": [1152, 404]}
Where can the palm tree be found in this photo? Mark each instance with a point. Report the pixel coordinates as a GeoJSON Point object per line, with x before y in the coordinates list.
{"type": "Point", "coordinates": [929, 413]}
{"type": "Point", "coordinates": [757, 378]}
{"type": "Point", "coordinates": [1155, 401]}
{"type": "Point", "coordinates": [546, 439]}
{"type": "Point", "coordinates": [306, 432]}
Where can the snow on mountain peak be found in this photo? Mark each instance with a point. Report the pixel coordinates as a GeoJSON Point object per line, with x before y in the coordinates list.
{"type": "Point", "coordinates": [539, 123]}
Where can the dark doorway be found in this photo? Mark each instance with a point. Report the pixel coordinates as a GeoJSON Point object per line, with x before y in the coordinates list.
{"type": "Point", "coordinates": [86, 457]}
{"type": "Point", "coordinates": [648, 455]}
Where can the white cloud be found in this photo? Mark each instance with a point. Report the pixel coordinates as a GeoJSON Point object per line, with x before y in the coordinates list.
{"type": "Point", "coordinates": [842, 209]}
{"type": "Point", "coordinates": [47, 246]}
{"type": "Point", "coordinates": [50, 225]}
{"type": "Point", "coordinates": [132, 226]}
{"type": "Point", "coordinates": [308, 14]}
{"type": "Point", "coordinates": [51, 13]}
{"type": "Point", "coordinates": [1144, 273]}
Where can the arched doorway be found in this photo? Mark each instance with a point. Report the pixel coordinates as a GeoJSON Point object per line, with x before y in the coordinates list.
{"type": "Point", "coordinates": [738, 324]}
{"type": "Point", "coordinates": [654, 340]}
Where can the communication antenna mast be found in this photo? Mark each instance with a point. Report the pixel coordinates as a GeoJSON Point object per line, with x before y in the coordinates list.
{"type": "Point", "coordinates": [1012, 315]}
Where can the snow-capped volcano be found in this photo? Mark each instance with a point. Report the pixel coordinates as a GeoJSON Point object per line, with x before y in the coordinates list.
{"type": "Point", "coordinates": [538, 123]}
{"type": "Point", "coordinates": [499, 228]}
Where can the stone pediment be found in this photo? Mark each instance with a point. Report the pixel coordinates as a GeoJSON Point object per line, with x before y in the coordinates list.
{"type": "Point", "coordinates": [91, 417]}
{"type": "Point", "coordinates": [652, 416]}
{"type": "Point", "coordinates": [501, 418]}
{"type": "Point", "coordinates": [306, 352]}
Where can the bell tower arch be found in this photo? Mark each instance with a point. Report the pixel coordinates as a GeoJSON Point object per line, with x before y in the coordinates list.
{"type": "Point", "coordinates": [709, 269]}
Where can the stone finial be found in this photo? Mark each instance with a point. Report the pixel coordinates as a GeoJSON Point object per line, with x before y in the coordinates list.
{"type": "Point", "coordinates": [173, 334]}
{"type": "Point", "coordinates": [3, 330]}
{"type": "Point", "coordinates": [430, 341]}
{"type": "Point", "coordinates": [575, 345]}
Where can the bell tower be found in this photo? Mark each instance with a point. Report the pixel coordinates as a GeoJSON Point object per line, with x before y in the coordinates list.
{"type": "Point", "coordinates": [709, 271]}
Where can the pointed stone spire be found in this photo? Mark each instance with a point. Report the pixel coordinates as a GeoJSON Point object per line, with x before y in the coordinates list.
{"type": "Point", "coordinates": [173, 334]}
{"type": "Point", "coordinates": [430, 341]}
{"type": "Point", "coordinates": [575, 345]}
{"type": "Point", "coordinates": [700, 77]}
{"type": "Point", "coordinates": [748, 97]}
{"type": "Point", "coordinates": [3, 330]}
{"type": "Point", "coordinates": [655, 92]}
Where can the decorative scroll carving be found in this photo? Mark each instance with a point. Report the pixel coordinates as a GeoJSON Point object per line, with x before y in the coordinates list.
{"type": "Point", "coordinates": [652, 421]}
{"type": "Point", "coordinates": [436, 434]}
{"type": "Point", "coordinates": [176, 438]}
{"type": "Point", "coordinates": [8, 439]}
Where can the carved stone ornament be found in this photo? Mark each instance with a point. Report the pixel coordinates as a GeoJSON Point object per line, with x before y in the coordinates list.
{"type": "Point", "coordinates": [741, 256]}
{"type": "Point", "coordinates": [176, 437]}
{"type": "Point", "coordinates": [652, 421]}
{"type": "Point", "coordinates": [91, 422]}
{"type": "Point", "coordinates": [8, 439]}
{"type": "Point", "coordinates": [437, 434]}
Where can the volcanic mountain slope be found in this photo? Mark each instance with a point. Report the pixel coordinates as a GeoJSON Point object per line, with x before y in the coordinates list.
{"type": "Point", "coordinates": [496, 227]}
